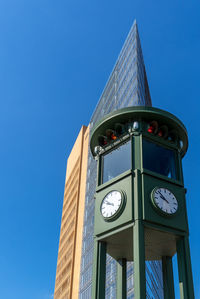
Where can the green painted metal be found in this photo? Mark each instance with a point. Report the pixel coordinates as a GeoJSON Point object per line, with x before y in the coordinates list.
{"type": "Point", "coordinates": [178, 221]}
{"type": "Point", "coordinates": [141, 113]}
{"type": "Point", "coordinates": [101, 226]}
{"type": "Point", "coordinates": [140, 232]}
{"type": "Point", "coordinates": [185, 269]}
{"type": "Point", "coordinates": [137, 152]}
{"type": "Point", "coordinates": [139, 260]}
{"type": "Point", "coordinates": [138, 209]}
{"type": "Point", "coordinates": [121, 279]}
{"type": "Point", "coordinates": [164, 229]}
{"type": "Point", "coordinates": [132, 148]}
{"type": "Point", "coordinates": [189, 267]}
{"type": "Point", "coordinates": [168, 277]}
{"type": "Point", "coordinates": [180, 168]}
{"type": "Point", "coordinates": [99, 270]}
{"type": "Point", "coordinates": [138, 237]}
{"type": "Point", "coordinates": [95, 269]}
{"type": "Point", "coordinates": [99, 172]}
{"type": "Point", "coordinates": [117, 231]}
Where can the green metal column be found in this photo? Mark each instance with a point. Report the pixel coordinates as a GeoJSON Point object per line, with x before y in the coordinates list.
{"type": "Point", "coordinates": [185, 269]}
{"type": "Point", "coordinates": [121, 279]}
{"type": "Point", "coordinates": [94, 269]}
{"type": "Point", "coordinates": [99, 270]}
{"type": "Point", "coordinates": [139, 260]}
{"type": "Point", "coordinates": [168, 277]}
{"type": "Point", "coordinates": [138, 228]}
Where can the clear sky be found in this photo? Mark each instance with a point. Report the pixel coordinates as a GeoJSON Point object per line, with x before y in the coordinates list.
{"type": "Point", "coordinates": [55, 58]}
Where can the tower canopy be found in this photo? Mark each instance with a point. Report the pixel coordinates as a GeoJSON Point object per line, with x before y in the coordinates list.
{"type": "Point", "coordinates": [171, 128]}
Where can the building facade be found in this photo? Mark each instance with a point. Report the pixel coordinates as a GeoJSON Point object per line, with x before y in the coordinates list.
{"type": "Point", "coordinates": [126, 86]}
{"type": "Point", "coordinates": [69, 253]}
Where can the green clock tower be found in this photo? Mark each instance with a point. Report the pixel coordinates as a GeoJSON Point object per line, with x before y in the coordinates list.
{"type": "Point", "coordinates": [140, 206]}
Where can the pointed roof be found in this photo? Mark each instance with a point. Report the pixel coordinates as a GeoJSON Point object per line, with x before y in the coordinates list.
{"type": "Point", "coordinates": [127, 84]}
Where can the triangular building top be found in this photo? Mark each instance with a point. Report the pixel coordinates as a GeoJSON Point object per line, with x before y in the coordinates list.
{"type": "Point", "coordinates": [127, 84]}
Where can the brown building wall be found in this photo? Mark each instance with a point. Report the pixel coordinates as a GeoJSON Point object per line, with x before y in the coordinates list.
{"type": "Point", "coordinates": [70, 244]}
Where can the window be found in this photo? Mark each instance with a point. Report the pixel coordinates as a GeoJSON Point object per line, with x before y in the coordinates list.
{"type": "Point", "coordinates": [116, 162]}
{"type": "Point", "coordinates": [159, 159]}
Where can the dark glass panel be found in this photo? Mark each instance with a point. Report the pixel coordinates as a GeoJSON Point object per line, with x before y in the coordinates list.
{"type": "Point", "coordinates": [116, 162]}
{"type": "Point", "coordinates": [159, 159]}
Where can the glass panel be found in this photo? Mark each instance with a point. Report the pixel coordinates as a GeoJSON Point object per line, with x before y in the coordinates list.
{"type": "Point", "coordinates": [159, 159]}
{"type": "Point", "coordinates": [117, 161]}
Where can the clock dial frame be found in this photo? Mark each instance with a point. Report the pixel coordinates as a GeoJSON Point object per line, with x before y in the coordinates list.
{"type": "Point", "coordinates": [164, 201]}
{"type": "Point", "coordinates": [112, 205]}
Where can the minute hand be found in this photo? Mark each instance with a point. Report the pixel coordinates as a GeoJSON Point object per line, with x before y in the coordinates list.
{"type": "Point", "coordinates": [163, 197]}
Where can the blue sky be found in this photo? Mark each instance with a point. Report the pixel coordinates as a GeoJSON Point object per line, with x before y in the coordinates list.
{"type": "Point", "coordinates": [55, 58]}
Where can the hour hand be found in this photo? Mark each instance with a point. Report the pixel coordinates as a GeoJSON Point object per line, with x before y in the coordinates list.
{"type": "Point", "coordinates": [109, 203]}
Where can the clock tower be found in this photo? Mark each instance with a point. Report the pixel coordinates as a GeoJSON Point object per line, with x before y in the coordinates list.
{"type": "Point", "coordinates": [140, 200]}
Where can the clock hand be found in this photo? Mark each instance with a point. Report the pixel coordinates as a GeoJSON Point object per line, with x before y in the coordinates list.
{"type": "Point", "coordinates": [109, 203]}
{"type": "Point", "coordinates": [163, 197]}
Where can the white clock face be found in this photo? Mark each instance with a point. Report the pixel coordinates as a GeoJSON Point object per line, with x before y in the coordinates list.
{"type": "Point", "coordinates": [165, 200]}
{"type": "Point", "coordinates": [111, 204]}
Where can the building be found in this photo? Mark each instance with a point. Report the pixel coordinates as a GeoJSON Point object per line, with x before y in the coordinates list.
{"type": "Point", "coordinates": [69, 253]}
{"type": "Point", "coordinates": [126, 86]}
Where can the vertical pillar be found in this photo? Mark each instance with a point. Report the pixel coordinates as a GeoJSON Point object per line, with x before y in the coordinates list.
{"type": "Point", "coordinates": [99, 270]}
{"type": "Point", "coordinates": [138, 229]}
{"type": "Point", "coordinates": [185, 269]}
{"type": "Point", "coordinates": [121, 279]}
{"type": "Point", "coordinates": [168, 277]}
{"type": "Point", "coordinates": [139, 260]}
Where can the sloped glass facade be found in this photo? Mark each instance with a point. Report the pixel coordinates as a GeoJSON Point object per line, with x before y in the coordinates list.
{"type": "Point", "coordinates": [127, 86]}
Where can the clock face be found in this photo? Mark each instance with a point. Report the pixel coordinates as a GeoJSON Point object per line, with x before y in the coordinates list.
{"type": "Point", "coordinates": [111, 204]}
{"type": "Point", "coordinates": [165, 200]}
